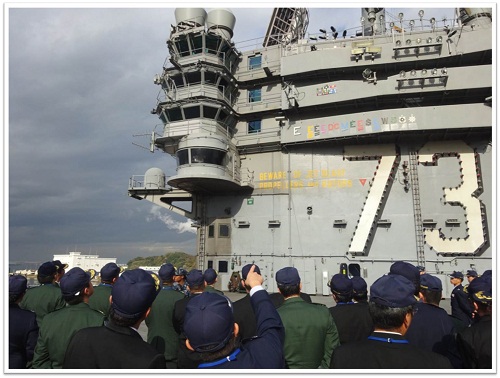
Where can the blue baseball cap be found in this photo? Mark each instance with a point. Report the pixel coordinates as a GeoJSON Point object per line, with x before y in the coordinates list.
{"type": "Point", "coordinates": [430, 283]}
{"type": "Point", "coordinates": [246, 269]}
{"type": "Point", "coordinates": [209, 322]}
{"type": "Point", "coordinates": [110, 271]}
{"type": "Point", "coordinates": [407, 270]}
{"type": "Point", "coordinates": [74, 281]}
{"type": "Point", "coordinates": [340, 284]}
{"type": "Point", "coordinates": [359, 285]}
{"type": "Point", "coordinates": [134, 292]}
{"type": "Point", "coordinates": [59, 264]}
{"type": "Point", "coordinates": [166, 272]}
{"type": "Point", "coordinates": [210, 275]}
{"type": "Point", "coordinates": [47, 269]}
{"type": "Point", "coordinates": [456, 274]}
{"type": "Point", "coordinates": [288, 276]}
{"type": "Point", "coordinates": [471, 273]}
{"type": "Point", "coordinates": [195, 278]}
{"type": "Point", "coordinates": [17, 284]}
{"type": "Point", "coordinates": [480, 290]}
{"type": "Point", "coordinates": [393, 290]}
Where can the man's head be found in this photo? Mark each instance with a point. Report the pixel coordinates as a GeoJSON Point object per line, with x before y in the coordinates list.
{"type": "Point", "coordinates": [76, 286]}
{"type": "Point", "coordinates": [166, 273]}
{"type": "Point", "coordinates": [110, 272]}
{"type": "Point", "coordinates": [408, 271]}
{"type": "Point", "coordinates": [244, 274]}
{"type": "Point", "coordinates": [481, 294]}
{"type": "Point", "coordinates": [195, 280]}
{"type": "Point", "coordinates": [210, 276]}
{"type": "Point", "coordinates": [391, 303]}
{"type": "Point", "coordinates": [431, 289]}
{"type": "Point", "coordinates": [471, 275]}
{"type": "Point", "coordinates": [47, 273]}
{"type": "Point", "coordinates": [288, 281]}
{"type": "Point", "coordinates": [180, 275]}
{"type": "Point", "coordinates": [209, 323]}
{"type": "Point", "coordinates": [61, 269]}
{"type": "Point", "coordinates": [17, 287]}
{"type": "Point", "coordinates": [359, 289]}
{"type": "Point", "coordinates": [341, 287]}
{"type": "Point", "coordinates": [132, 295]}
{"type": "Point", "coordinates": [456, 278]}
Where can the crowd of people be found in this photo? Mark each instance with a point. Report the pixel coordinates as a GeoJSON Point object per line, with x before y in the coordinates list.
{"type": "Point", "coordinates": [397, 323]}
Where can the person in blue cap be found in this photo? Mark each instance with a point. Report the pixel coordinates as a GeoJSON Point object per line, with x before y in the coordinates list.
{"type": "Point", "coordinates": [461, 309]}
{"type": "Point", "coordinates": [100, 299]}
{"type": "Point", "coordinates": [59, 326]}
{"type": "Point", "coordinates": [45, 298]}
{"type": "Point", "coordinates": [310, 332]}
{"type": "Point", "coordinates": [432, 328]}
{"type": "Point", "coordinates": [476, 342]}
{"type": "Point", "coordinates": [117, 344]}
{"type": "Point", "coordinates": [211, 331]}
{"type": "Point", "coordinates": [161, 331]}
{"type": "Point", "coordinates": [243, 309]}
{"type": "Point", "coordinates": [23, 329]}
{"type": "Point", "coordinates": [210, 276]}
{"type": "Point", "coordinates": [353, 321]}
{"type": "Point", "coordinates": [60, 270]}
{"type": "Point", "coordinates": [409, 271]}
{"type": "Point", "coordinates": [359, 290]}
{"type": "Point", "coordinates": [471, 275]}
{"type": "Point", "coordinates": [391, 308]}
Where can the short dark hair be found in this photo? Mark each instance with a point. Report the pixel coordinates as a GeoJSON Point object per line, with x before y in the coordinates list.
{"type": "Point", "coordinates": [360, 297]}
{"type": "Point", "coordinates": [432, 297]}
{"type": "Point", "coordinates": [13, 298]}
{"type": "Point", "coordinates": [289, 290]}
{"type": "Point", "coordinates": [388, 318]}
{"type": "Point", "coordinates": [231, 345]}
{"type": "Point", "coordinates": [168, 281]}
{"type": "Point", "coordinates": [45, 279]}
{"type": "Point", "coordinates": [200, 287]}
{"type": "Point", "coordinates": [75, 299]}
{"type": "Point", "coordinates": [343, 298]}
{"type": "Point", "coordinates": [122, 321]}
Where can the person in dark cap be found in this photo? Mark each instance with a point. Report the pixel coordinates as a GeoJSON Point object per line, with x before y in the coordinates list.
{"type": "Point", "coordinates": [471, 274]}
{"type": "Point", "coordinates": [100, 299]}
{"type": "Point", "coordinates": [476, 342]}
{"type": "Point", "coordinates": [310, 332]}
{"type": "Point", "coordinates": [45, 298]}
{"type": "Point", "coordinates": [210, 276]}
{"type": "Point", "coordinates": [161, 332]}
{"type": "Point", "coordinates": [187, 359]}
{"type": "Point", "coordinates": [61, 269]}
{"type": "Point", "coordinates": [359, 290]}
{"type": "Point", "coordinates": [391, 308]}
{"type": "Point", "coordinates": [180, 282]}
{"type": "Point", "coordinates": [353, 322]}
{"type": "Point", "coordinates": [421, 269]}
{"type": "Point", "coordinates": [461, 309]}
{"type": "Point", "coordinates": [243, 309]}
{"type": "Point", "coordinates": [23, 329]}
{"type": "Point", "coordinates": [409, 271]}
{"type": "Point", "coordinates": [432, 328]}
{"type": "Point", "coordinates": [59, 326]}
{"type": "Point", "coordinates": [117, 344]}
{"type": "Point", "coordinates": [211, 331]}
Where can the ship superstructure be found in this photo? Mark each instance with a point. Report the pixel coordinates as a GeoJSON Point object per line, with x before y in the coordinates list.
{"type": "Point", "coordinates": [328, 152]}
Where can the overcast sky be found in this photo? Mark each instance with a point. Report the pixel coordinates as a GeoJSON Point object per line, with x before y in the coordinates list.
{"type": "Point", "coordinates": [80, 86]}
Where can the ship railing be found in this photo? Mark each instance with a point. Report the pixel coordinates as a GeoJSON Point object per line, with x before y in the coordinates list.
{"type": "Point", "coordinates": [153, 182]}
{"type": "Point", "coordinates": [208, 55]}
{"type": "Point", "coordinates": [196, 89]}
{"type": "Point", "coordinates": [262, 135]}
{"type": "Point", "coordinates": [198, 125]}
{"type": "Point", "coordinates": [266, 101]}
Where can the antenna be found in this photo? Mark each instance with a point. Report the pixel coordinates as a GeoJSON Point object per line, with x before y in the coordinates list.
{"type": "Point", "coordinates": [151, 147]}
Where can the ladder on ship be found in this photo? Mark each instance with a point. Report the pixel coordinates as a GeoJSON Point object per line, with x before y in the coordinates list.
{"type": "Point", "coordinates": [201, 236]}
{"type": "Point", "coordinates": [417, 210]}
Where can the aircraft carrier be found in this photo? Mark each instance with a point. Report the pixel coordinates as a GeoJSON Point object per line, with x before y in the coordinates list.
{"type": "Point", "coordinates": [338, 151]}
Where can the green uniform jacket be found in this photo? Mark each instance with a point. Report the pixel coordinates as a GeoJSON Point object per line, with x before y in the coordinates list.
{"type": "Point", "coordinates": [100, 299]}
{"type": "Point", "coordinates": [42, 300]}
{"type": "Point", "coordinates": [310, 334]}
{"type": "Point", "coordinates": [56, 331]}
{"type": "Point", "coordinates": [211, 289]}
{"type": "Point", "coordinates": [161, 332]}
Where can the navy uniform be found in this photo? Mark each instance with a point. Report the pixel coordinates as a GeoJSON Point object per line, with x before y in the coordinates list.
{"type": "Point", "coordinates": [161, 332]}
{"type": "Point", "coordinates": [460, 306]}
{"type": "Point", "coordinates": [352, 320]}
{"type": "Point", "coordinates": [210, 277]}
{"type": "Point", "coordinates": [45, 298]}
{"type": "Point", "coordinates": [59, 326]}
{"type": "Point", "coordinates": [100, 299]}
{"type": "Point", "coordinates": [384, 349]}
{"type": "Point", "coordinates": [118, 345]}
{"type": "Point", "coordinates": [23, 328]}
{"type": "Point", "coordinates": [310, 332]}
{"type": "Point", "coordinates": [209, 325]}
{"type": "Point", "coordinates": [243, 309]}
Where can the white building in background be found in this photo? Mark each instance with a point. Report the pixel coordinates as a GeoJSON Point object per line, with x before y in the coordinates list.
{"type": "Point", "coordinates": [76, 259]}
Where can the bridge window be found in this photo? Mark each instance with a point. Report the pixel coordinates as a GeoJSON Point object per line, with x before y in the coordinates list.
{"type": "Point", "coordinates": [182, 157]}
{"type": "Point", "coordinates": [254, 62]}
{"type": "Point", "coordinates": [207, 155]}
{"type": "Point", "coordinates": [255, 95]}
{"type": "Point", "coordinates": [223, 230]}
{"type": "Point", "coordinates": [192, 112]}
{"type": "Point", "coordinates": [354, 270]}
{"type": "Point", "coordinates": [254, 126]}
{"type": "Point", "coordinates": [211, 230]}
{"type": "Point", "coordinates": [223, 265]}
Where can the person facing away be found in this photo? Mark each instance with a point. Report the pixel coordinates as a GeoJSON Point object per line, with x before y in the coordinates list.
{"type": "Point", "coordinates": [243, 309]}
{"type": "Point", "coordinates": [59, 326]}
{"type": "Point", "coordinates": [117, 344]}
{"type": "Point", "coordinates": [60, 270]}
{"type": "Point", "coordinates": [353, 321]}
{"type": "Point", "coordinates": [431, 327]}
{"type": "Point", "coordinates": [476, 342]}
{"type": "Point", "coordinates": [210, 277]}
{"type": "Point", "coordinates": [310, 332]}
{"type": "Point", "coordinates": [410, 272]}
{"type": "Point", "coordinates": [23, 328]}
{"type": "Point", "coordinates": [45, 298]}
{"type": "Point", "coordinates": [211, 331]}
{"type": "Point", "coordinates": [161, 332]}
{"type": "Point", "coordinates": [100, 299]}
{"type": "Point", "coordinates": [391, 308]}
{"type": "Point", "coordinates": [461, 308]}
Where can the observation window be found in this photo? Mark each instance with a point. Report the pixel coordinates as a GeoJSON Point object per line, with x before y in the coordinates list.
{"type": "Point", "coordinates": [207, 155]}
{"type": "Point", "coordinates": [254, 62]}
{"type": "Point", "coordinates": [255, 95]}
{"type": "Point", "coordinates": [254, 126]}
{"type": "Point", "coordinates": [223, 230]}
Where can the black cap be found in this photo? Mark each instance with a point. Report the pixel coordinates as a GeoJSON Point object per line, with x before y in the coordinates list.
{"type": "Point", "coordinates": [471, 273]}
{"type": "Point", "coordinates": [166, 272]}
{"type": "Point", "coordinates": [340, 284]}
{"type": "Point", "coordinates": [74, 281]}
{"type": "Point", "coordinates": [181, 272]}
{"type": "Point", "coordinates": [246, 269]}
{"type": "Point", "coordinates": [359, 285]}
{"type": "Point", "coordinates": [210, 275]}
{"type": "Point", "coordinates": [59, 264]}
{"type": "Point", "coordinates": [195, 278]}
{"type": "Point", "coordinates": [456, 274]}
{"type": "Point", "coordinates": [110, 271]}
{"type": "Point", "coordinates": [480, 290]}
{"type": "Point", "coordinates": [393, 290]}
{"type": "Point", "coordinates": [47, 269]}
{"type": "Point", "coordinates": [430, 283]}
{"type": "Point", "coordinates": [17, 284]}
{"type": "Point", "coordinates": [288, 276]}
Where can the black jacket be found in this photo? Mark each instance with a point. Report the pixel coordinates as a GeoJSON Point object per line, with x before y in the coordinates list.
{"type": "Point", "coordinates": [23, 335]}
